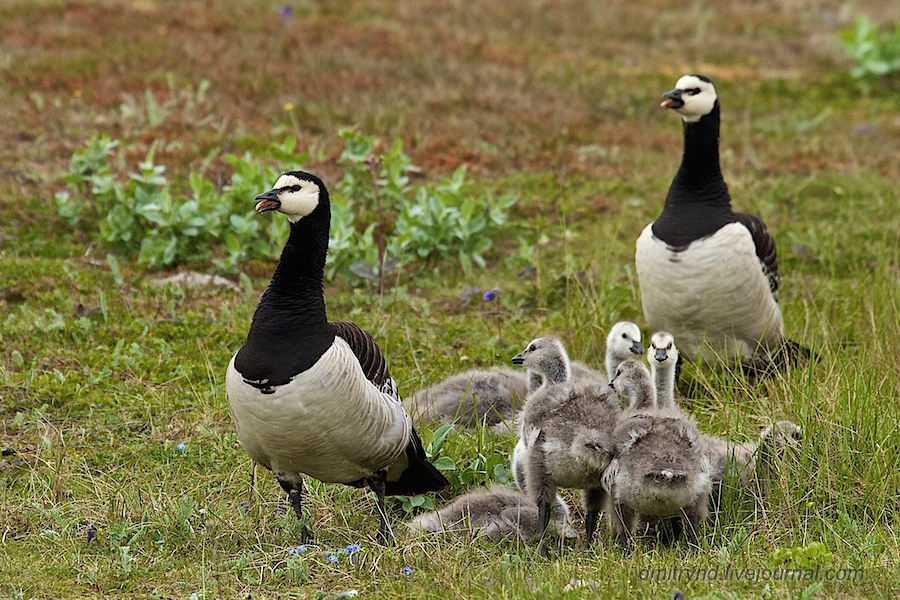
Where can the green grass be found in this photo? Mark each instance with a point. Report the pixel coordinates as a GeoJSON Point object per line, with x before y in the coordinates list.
{"type": "Point", "coordinates": [554, 103]}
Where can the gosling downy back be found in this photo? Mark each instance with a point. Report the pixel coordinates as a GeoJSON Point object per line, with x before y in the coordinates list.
{"type": "Point", "coordinates": [496, 514]}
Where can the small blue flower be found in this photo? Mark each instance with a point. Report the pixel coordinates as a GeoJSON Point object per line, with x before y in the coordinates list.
{"type": "Point", "coordinates": [354, 558]}
{"type": "Point", "coordinates": [291, 551]}
{"type": "Point", "coordinates": [352, 548]}
{"type": "Point", "coordinates": [406, 571]}
{"type": "Point", "coordinates": [181, 447]}
{"type": "Point", "coordinates": [300, 549]}
{"type": "Point", "coordinates": [286, 11]}
{"type": "Point", "coordinates": [490, 295]}
{"type": "Point", "coordinates": [331, 558]}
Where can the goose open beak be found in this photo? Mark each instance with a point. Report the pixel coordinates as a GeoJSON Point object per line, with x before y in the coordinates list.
{"type": "Point", "coordinates": [672, 99]}
{"type": "Point", "coordinates": [268, 201]}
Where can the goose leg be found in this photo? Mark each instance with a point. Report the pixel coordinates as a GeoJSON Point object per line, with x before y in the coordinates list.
{"type": "Point", "coordinates": [544, 523]}
{"type": "Point", "coordinates": [376, 483]}
{"type": "Point", "coordinates": [295, 494]}
{"type": "Point", "coordinates": [593, 501]}
{"type": "Point", "coordinates": [623, 524]}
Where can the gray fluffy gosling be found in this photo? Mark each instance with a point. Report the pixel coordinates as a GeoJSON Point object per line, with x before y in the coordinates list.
{"type": "Point", "coordinates": [496, 514]}
{"type": "Point", "coordinates": [737, 461]}
{"type": "Point", "coordinates": [661, 469]}
{"type": "Point", "coordinates": [565, 434]}
{"type": "Point", "coordinates": [489, 396]}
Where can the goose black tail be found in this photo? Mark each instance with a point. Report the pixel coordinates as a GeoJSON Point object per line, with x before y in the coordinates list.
{"type": "Point", "coordinates": [793, 353]}
{"type": "Point", "coordinates": [420, 476]}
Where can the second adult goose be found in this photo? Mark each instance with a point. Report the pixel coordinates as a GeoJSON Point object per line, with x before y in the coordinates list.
{"type": "Point", "coordinates": [310, 397]}
{"type": "Point", "coordinates": [707, 274]}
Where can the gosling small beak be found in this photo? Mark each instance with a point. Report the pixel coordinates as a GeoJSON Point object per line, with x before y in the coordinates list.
{"type": "Point", "coordinates": [673, 99]}
{"type": "Point", "coordinates": [660, 355]}
{"type": "Point", "coordinates": [518, 359]}
{"type": "Point", "coordinates": [612, 384]}
{"type": "Point", "coordinates": [268, 201]}
{"type": "Point", "coordinates": [636, 348]}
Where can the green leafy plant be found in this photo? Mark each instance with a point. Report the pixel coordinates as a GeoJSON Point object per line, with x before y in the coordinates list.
{"type": "Point", "coordinates": [875, 53]}
{"type": "Point", "coordinates": [379, 219]}
{"type": "Point", "coordinates": [804, 557]}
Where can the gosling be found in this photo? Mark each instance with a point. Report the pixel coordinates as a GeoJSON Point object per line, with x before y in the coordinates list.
{"type": "Point", "coordinates": [565, 434]}
{"type": "Point", "coordinates": [496, 514]}
{"type": "Point", "coordinates": [661, 469]}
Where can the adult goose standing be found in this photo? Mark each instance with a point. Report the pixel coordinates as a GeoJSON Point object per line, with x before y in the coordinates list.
{"type": "Point", "coordinates": [310, 397]}
{"type": "Point", "coordinates": [708, 274]}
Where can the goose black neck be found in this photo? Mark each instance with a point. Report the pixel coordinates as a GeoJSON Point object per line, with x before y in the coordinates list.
{"type": "Point", "coordinates": [296, 285]}
{"type": "Point", "coordinates": [290, 329]}
{"type": "Point", "coordinates": [698, 203]}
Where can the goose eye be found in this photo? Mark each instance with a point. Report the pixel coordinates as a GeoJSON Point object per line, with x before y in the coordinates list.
{"type": "Point", "coordinates": [669, 347]}
{"type": "Point", "coordinates": [693, 91]}
{"type": "Point", "coordinates": [295, 188]}
{"type": "Point", "coordinates": [624, 336]}
{"type": "Point", "coordinates": [532, 348]}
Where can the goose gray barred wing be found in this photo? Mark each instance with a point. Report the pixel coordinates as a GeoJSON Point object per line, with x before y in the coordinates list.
{"type": "Point", "coordinates": [765, 247]}
{"type": "Point", "coordinates": [369, 356]}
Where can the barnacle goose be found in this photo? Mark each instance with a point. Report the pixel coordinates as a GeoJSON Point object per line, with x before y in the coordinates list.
{"type": "Point", "coordinates": [708, 274]}
{"type": "Point", "coordinates": [310, 397]}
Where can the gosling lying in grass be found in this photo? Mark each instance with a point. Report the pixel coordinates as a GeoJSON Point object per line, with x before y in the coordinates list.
{"type": "Point", "coordinates": [495, 514]}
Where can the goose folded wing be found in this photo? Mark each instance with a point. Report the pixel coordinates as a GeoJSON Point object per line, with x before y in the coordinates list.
{"type": "Point", "coordinates": [369, 355]}
{"type": "Point", "coordinates": [765, 247]}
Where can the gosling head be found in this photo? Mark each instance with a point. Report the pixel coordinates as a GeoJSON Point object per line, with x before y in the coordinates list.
{"type": "Point", "coordinates": [296, 194]}
{"type": "Point", "coordinates": [662, 349]}
{"type": "Point", "coordinates": [632, 381]}
{"type": "Point", "coordinates": [623, 341]}
{"type": "Point", "coordinates": [693, 98]}
{"type": "Point", "coordinates": [546, 356]}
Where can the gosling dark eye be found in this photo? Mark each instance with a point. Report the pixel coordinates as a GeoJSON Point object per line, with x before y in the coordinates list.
{"type": "Point", "coordinates": [532, 348]}
{"type": "Point", "coordinates": [669, 347]}
{"type": "Point", "coordinates": [693, 91]}
{"type": "Point", "coordinates": [624, 336]}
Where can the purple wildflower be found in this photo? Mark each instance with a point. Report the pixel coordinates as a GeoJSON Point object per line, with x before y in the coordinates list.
{"type": "Point", "coordinates": [406, 571]}
{"type": "Point", "coordinates": [352, 548]}
{"type": "Point", "coordinates": [286, 11]}
{"type": "Point", "coordinates": [331, 558]}
{"type": "Point", "coordinates": [490, 295]}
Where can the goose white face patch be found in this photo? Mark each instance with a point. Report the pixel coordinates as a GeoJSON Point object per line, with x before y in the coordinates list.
{"type": "Point", "coordinates": [299, 197]}
{"type": "Point", "coordinates": [699, 98]}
